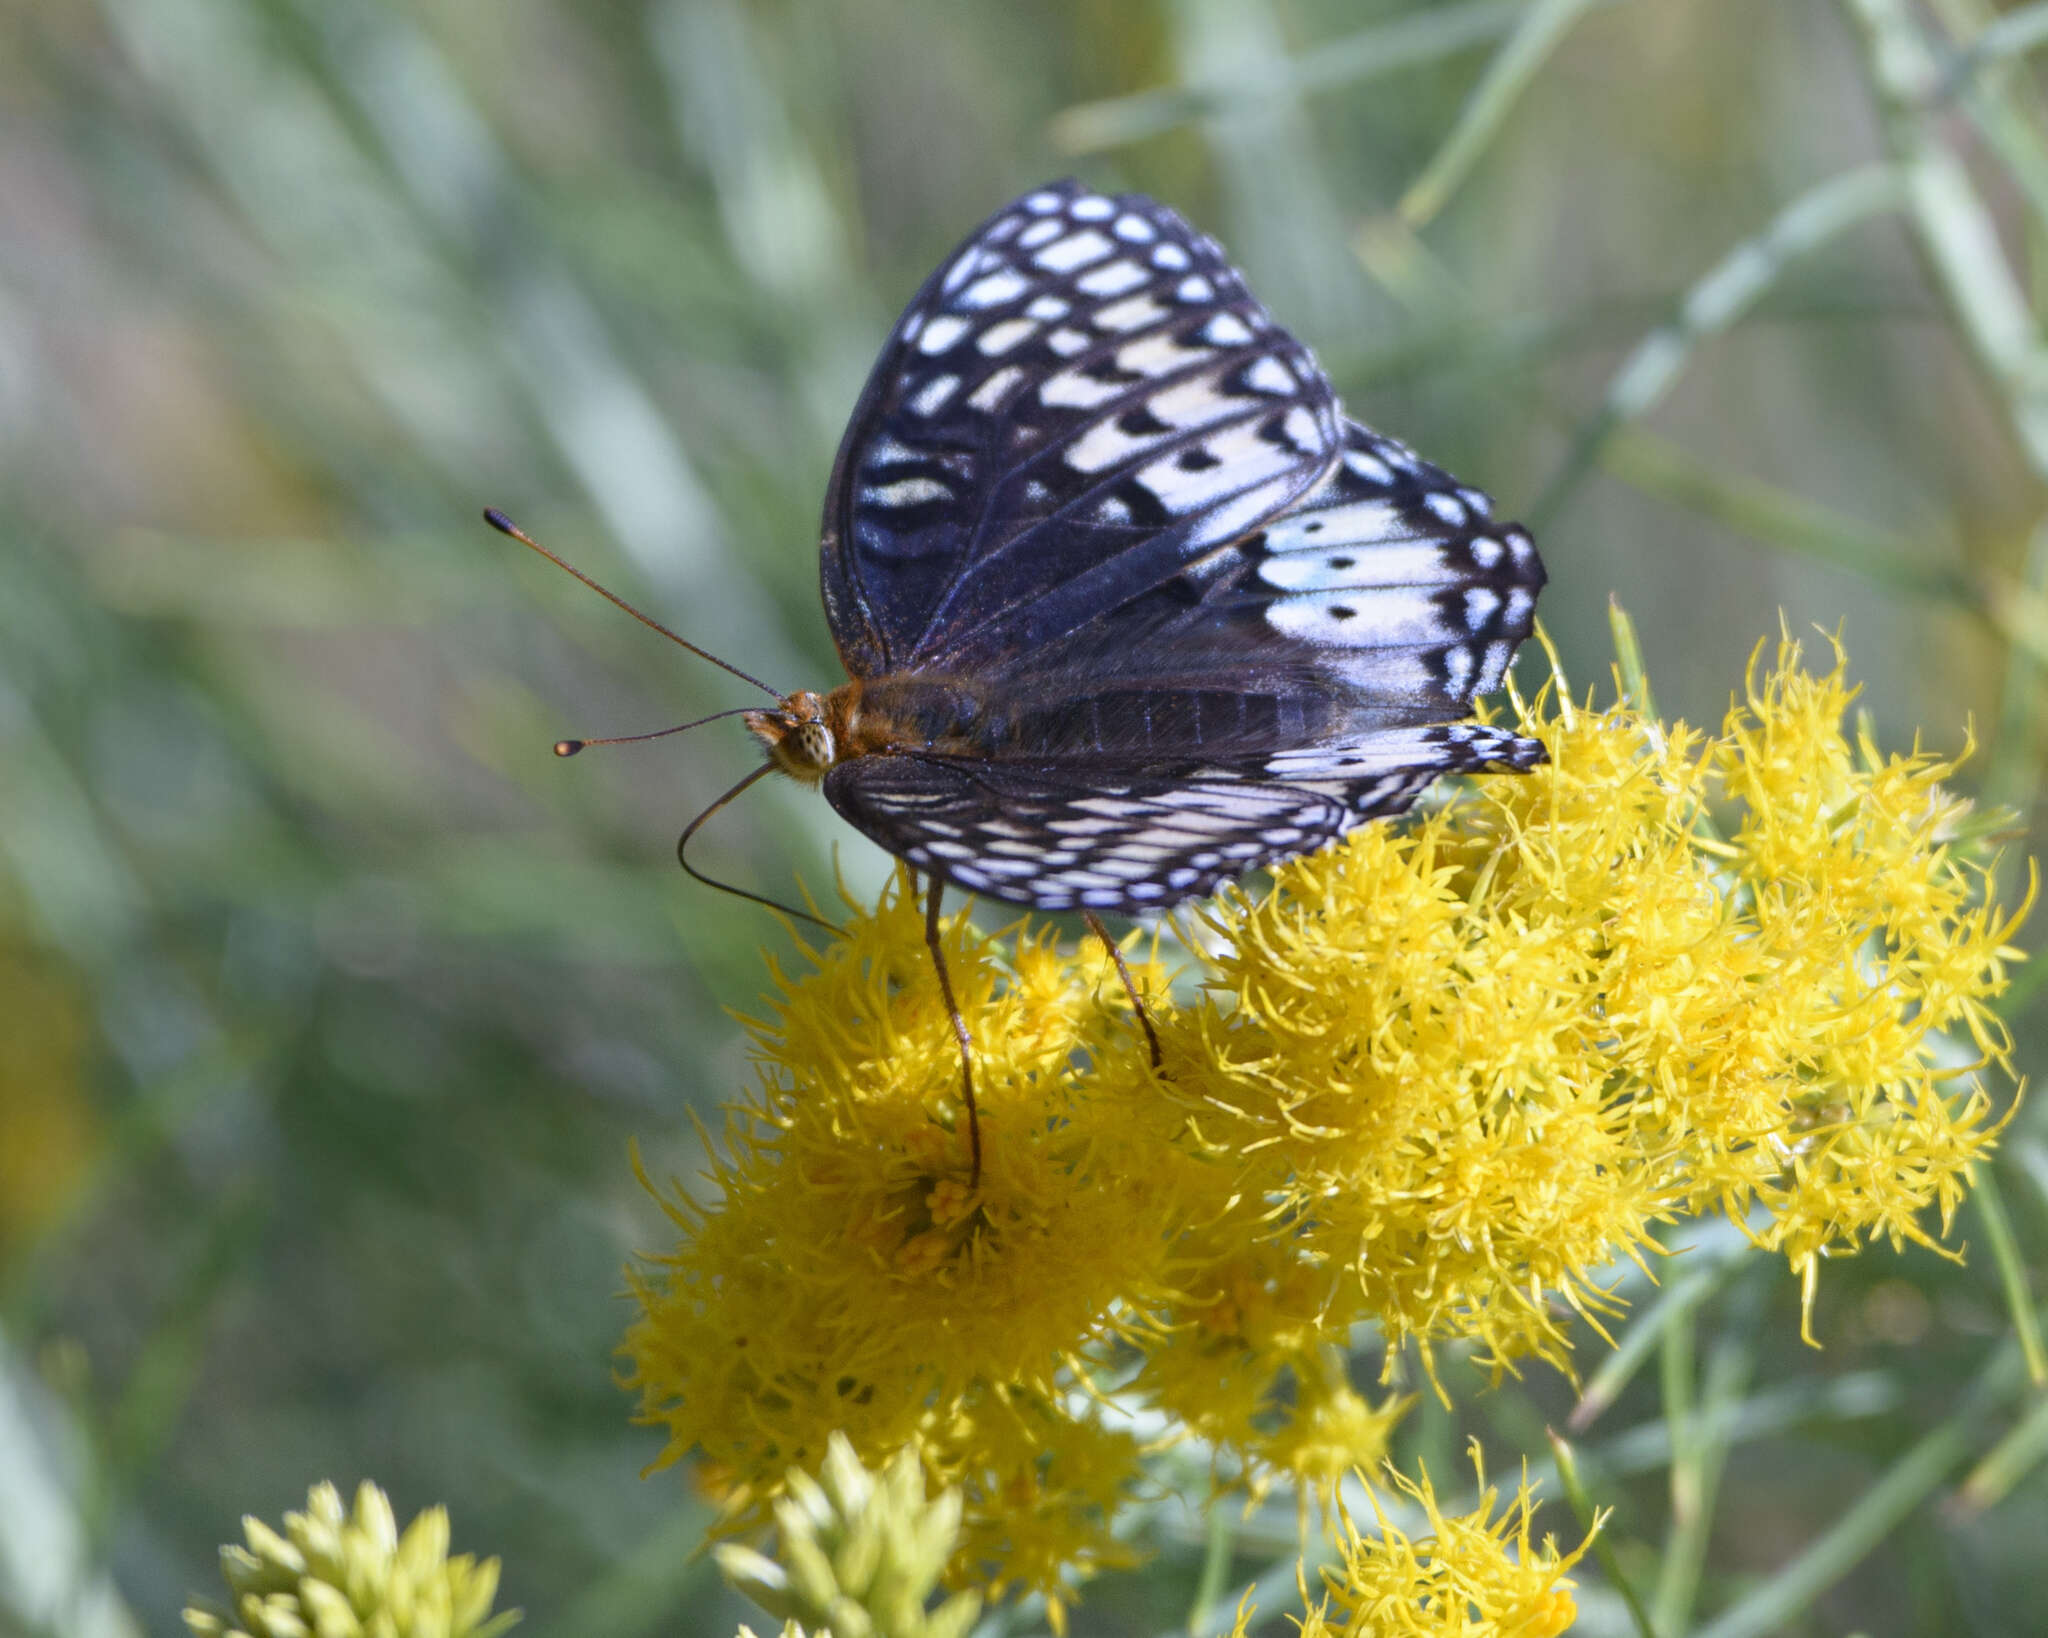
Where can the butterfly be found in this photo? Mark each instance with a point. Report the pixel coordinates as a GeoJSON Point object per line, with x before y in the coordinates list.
{"type": "Point", "coordinates": [1128, 607]}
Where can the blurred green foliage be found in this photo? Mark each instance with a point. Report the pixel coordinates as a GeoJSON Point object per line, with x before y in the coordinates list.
{"type": "Point", "coordinates": [331, 1000]}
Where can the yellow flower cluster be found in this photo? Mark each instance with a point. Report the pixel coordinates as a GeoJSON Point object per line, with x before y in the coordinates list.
{"type": "Point", "coordinates": [1469, 1575]}
{"type": "Point", "coordinates": [1433, 1082]}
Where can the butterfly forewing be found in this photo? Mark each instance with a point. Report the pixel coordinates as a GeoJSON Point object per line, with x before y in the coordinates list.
{"type": "Point", "coordinates": [1209, 623]}
{"type": "Point", "coordinates": [1081, 401]}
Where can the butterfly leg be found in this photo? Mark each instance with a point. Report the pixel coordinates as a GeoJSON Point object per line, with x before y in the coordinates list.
{"type": "Point", "coordinates": [931, 938]}
{"type": "Point", "coordinates": [1137, 1004]}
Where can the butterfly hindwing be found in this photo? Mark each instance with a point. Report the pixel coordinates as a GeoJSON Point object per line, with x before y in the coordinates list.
{"type": "Point", "coordinates": [1399, 579]}
{"type": "Point", "coordinates": [1096, 835]}
{"type": "Point", "coordinates": [1083, 400]}
{"type": "Point", "coordinates": [1387, 597]}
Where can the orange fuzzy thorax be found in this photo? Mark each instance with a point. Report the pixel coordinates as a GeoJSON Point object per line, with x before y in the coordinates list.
{"type": "Point", "coordinates": [808, 733]}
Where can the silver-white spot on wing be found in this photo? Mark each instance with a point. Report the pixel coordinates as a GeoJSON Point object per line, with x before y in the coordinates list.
{"type": "Point", "coordinates": [1324, 527]}
{"type": "Point", "coordinates": [1422, 563]}
{"type": "Point", "coordinates": [1111, 279]}
{"type": "Point", "coordinates": [1074, 251]}
{"type": "Point", "coordinates": [940, 332]}
{"type": "Point", "coordinates": [930, 398]}
{"type": "Point", "coordinates": [1158, 353]}
{"type": "Point", "coordinates": [1235, 516]}
{"type": "Point", "coordinates": [995, 289]}
{"type": "Point", "coordinates": [1369, 467]}
{"type": "Point", "coordinates": [1243, 459]}
{"type": "Point", "coordinates": [990, 396]}
{"type": "Point", "coordinates": [1447, 507]}
{"type": "Point", "coordinates": [1001, 337]}
{"type": "Point", "coordinates": [1134, 314]}
{"type": "Point", "coordinates": [1270, 375]}
{"type": "Point", "coordinates": [906, 492]}
{"type": "Point", "coordinates": [1072, 390]}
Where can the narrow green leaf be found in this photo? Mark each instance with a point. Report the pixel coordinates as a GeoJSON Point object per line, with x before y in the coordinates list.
{"type": "Point", "coordinates": [1715, 303]}
{"type": "Point", "coordinates": [2009, 1461]}
{"type": "Point", "coordinates": [1585, 1512]}
{"type": "Point", "coordinates": [1215, 1566]}
{"type": "Point", "coordinates": [1788, 522]}
{"type": "Point", "coordinates": [1911, 1480]}
{"type": "Point", "coordinates": [1692, 1287]}
{"type": "Point", "coordinates": [1700, 1442]}
{"type": "Point", "coordinates": [1424, 35]}
{"type": "Point", "coordinates": [1989, 1202]}
{"type": "Point", "coordinates": [2023, 29]}
{"type": "Point", "coordinates": [1541, 30]}
{"type": "Point", "coordinates": [1628, 660]}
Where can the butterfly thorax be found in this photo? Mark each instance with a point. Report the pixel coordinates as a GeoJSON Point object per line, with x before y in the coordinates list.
{"type": "Point", "coordinates": [809, 733]}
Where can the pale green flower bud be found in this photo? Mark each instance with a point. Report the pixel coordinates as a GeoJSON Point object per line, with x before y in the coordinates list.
{"type": "Point", "coordinates": [860, 1554]}
{"type": "Point", "coordinates": [333, 1573]}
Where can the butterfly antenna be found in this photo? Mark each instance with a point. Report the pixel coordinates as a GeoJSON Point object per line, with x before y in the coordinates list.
{"type": "Point", "coordinates": [569, 747]}
{"type": "Point", "coordinates": [505, 526]}
{"type": "Point", "coordinates": [691, 829]}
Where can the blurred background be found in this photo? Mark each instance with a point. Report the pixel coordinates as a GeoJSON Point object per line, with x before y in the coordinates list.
{"type": "Point", "coordinates": [330, 1001]}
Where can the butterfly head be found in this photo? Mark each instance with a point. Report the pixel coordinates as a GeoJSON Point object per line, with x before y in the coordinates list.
{"type": "Point", "coordinates": [799, 735]}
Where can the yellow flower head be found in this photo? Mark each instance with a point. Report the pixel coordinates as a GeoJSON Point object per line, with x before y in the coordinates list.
{"type": "Point", "coordinates": [843, 1276]}
{"type": "Point", "coordinates": [336, 1573]}
{"type": "Point", "coordinates": [1428, 1085]}
{"type": "Point", "coordinates": [1466, 1575]}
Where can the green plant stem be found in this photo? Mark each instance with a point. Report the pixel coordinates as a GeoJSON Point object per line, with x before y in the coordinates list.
{"type": "Point", "coordinates": [1713, 304]}
{"type": "Point", "coordinates": [1603, 1550]}
{"type": "Point", "coordinates": [2007, 1462]}
{"type": "Point", "coordinates": [2023, 29]}
{"type": "Point", "coordinates": [1701, 1439]}
{"type": "Point", "coordinates": [1542, 28]}
{"type": "Point", "coordinates": [1989, 1202]}
{"type": "Point", "coordinates": [1676, 1366]}
{"type": "Point", "coordinates": [1773, 1606]}
{"type": "Point", "coordinates": [1685, 1293]}
{"type": "Point", "coordinates": [1628, 661]}
{"type": "Point", "coordinates": [1788, 522]}
{"type": "Point", "coordinates": [1647, 1446]}
{"type": "Point", "coordinates": [1425, 35]}
{"type": "Point", "coordinates": [1955, 229]}
{"type": "Point", "coordinates": [1215, 1565]}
